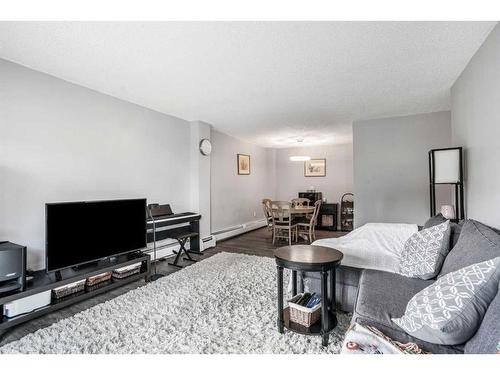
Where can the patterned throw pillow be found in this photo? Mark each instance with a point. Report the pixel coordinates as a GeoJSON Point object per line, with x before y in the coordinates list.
{"type": "Point", "coordinates": [424, 252]}
{"type": "Point", "coordinates": [449, 311]}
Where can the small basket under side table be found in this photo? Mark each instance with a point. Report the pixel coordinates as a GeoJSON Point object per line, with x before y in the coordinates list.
{"type": "Point", "coordinates": [308, 258]}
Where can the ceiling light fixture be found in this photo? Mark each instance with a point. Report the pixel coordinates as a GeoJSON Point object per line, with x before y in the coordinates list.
{"type": "Point", "coordinates": [300, 158]}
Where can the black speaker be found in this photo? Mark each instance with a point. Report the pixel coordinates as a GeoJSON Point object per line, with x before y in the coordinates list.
{"type": "Point", "coordinates": [12, 267]}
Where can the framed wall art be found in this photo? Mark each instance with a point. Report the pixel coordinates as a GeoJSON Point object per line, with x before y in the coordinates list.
{"type": "Point", "coordinates": [315, 168]}
{"type": "Point", "coordinates": [243, 164]}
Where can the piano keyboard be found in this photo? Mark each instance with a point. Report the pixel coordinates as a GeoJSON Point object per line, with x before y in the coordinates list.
{"type": "Point", "coordinates": [163, 219]}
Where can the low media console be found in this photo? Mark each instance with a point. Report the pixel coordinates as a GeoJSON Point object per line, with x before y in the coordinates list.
{"type": "Point", "coordinates": [43, 282]}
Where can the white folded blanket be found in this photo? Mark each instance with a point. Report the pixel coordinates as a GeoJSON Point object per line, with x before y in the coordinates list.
{"type": "Point", "coordinates": [374, 245]}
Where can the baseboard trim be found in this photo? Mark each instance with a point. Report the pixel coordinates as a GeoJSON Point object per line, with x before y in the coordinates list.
{"type": "Point", "coordinates": [224, 234]}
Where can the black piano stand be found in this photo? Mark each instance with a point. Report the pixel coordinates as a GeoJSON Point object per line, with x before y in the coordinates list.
{"type": "Point", "coordinates": [182, 239]}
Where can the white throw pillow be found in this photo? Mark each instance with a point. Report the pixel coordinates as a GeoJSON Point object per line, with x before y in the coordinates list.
{"type": "Point", "coordinates": [449, 311]}
{"type": "Point", "coordinates": [424, 252]}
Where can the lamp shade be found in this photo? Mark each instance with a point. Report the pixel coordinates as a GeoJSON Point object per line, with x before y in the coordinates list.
{"type": "Point", "coordinates": [447, 166]}
{"type": "Point", "coordinates": [448, 211]}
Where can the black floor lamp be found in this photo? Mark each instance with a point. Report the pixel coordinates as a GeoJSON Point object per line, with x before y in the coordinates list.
{"type": "Point", "coordinates": [154, 210]}
{"type": "Point", "coordinates": [446, 168]}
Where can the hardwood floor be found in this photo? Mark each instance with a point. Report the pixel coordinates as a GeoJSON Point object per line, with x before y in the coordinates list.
{"type": "Point", "coordinates": [257, 242]}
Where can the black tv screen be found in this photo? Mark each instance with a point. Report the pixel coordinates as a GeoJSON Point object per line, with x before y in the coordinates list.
{"type": "Point", "coordinates": [82, 232]}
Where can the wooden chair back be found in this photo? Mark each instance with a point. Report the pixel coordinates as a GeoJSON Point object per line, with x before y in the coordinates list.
{"type": "Point", "coordinates": [314, 217]}
{"type": "Point", "coordinates": [266, 206]}
{"type": "Point", "coordinates": [281, 211]}
{"type": "Point", "coordinates": [300, 202]}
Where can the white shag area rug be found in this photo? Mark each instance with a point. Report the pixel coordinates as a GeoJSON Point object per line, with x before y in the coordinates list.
{"type": "Point", "coordinates": [223, 304]}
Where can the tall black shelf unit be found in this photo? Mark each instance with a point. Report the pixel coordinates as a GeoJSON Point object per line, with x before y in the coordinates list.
{"type": "Point", "coordinates": [458, 185]}
{"type": "Point", "coordinates": [347, 212]}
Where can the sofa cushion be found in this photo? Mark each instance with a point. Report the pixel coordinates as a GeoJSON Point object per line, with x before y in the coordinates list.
{"type": "Point", "coordinates": [450, 310]}
{"type": "Point", "coordinates": [434, 220]}
{"type": "Point", "coordinates": [487, 338]}
{"type": "Point", "coordinates": [383, 296]}
{"type": "Point", "coordinates": [424, 252]}
{"type": "Point", "coordinates": [477, 243]}
{"type": "Point", "coordinates": [456, 229]}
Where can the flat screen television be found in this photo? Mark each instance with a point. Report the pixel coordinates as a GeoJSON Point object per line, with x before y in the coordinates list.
{"type": "Point", "coordinates": [82, 232]}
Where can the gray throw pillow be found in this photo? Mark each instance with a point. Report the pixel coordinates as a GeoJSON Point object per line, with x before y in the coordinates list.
{"type": "Point", "coordinates": [424, 252]}
{"type": "Point", "coordinates": [477, 243]}
{"type": "Point", "coordinates": [487, 338]}
{"type": "Point", "coordinates": [455, 227]}
{"type": "Point", "coordinates": [449, 311]}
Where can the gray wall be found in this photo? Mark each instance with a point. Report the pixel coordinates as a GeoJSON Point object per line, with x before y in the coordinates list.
{"type": "Point", "coordinates": [339, 172]}
{"type": "Point", "coordinates": [236, 199]}
{"type": "Point", "coordinates": [391, 176]}
{"type": "Point", "coordinates": [62, 142]}
{"type": "Point", "coordinates": [475, 120]}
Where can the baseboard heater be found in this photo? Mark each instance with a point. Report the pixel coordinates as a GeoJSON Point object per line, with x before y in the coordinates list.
{"type": "Point", "coordinates": [238, 229]}
{"type": "Point", "coordinates": [228, 230]}
{"type": "Point", "coordinates": [208, 242]}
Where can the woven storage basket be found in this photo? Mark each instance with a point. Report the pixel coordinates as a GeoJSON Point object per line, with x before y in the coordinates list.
{"type": "Point", "coordinates": [97, 279]}
{"type": "Point", "coordinates": [123, 275]}
{"type": "Point", "coordinates": [303, 315]}
{"type": "Point", "coordinates": [66, 290]}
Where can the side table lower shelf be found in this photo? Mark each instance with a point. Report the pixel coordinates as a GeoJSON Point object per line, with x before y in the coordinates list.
{"type": "Point", "coordinates": [313, 330]}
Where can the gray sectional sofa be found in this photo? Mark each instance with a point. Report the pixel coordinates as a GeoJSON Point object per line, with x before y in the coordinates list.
{"type": "Point", "coordinates": [383, 295]}
{"type": "Point", "coordinates": [375, 297]}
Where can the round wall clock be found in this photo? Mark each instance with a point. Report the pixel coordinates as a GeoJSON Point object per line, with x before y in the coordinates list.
{"type": "Point", "coordinates": [205, 147]}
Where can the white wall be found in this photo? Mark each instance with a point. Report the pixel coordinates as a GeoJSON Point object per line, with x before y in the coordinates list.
{"type": "Point", "coordinates": [200, 170]}
{"type": "Point", "coordinates": [62, 142]}
{"type": "Point", "coordinates": [339, 172]}
{"type": "Point", "coordinates": [236, 198]}
{"type": "Point", "coordinates": [475, 121]}
{"type": "Point", "coordinates": [391, 170]}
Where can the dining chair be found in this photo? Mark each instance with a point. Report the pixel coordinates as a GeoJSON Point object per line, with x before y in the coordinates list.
{"type": "Point", "coordinates": [266, 206]}
{"type": "Point", "coordinates": [300, 202]}
{"type": "Point", "coordinates": [284, 226]}
{"type": "Point", "coordinates": [308, 228]}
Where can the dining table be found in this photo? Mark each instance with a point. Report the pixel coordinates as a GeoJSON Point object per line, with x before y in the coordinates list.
{"type": "Point", "coordinates": [298, 211]}
{"type": "Point", "coordinates": [301, 210]}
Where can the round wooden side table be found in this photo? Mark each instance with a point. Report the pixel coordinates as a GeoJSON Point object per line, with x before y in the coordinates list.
{"type": "Point", "coordinates": [309, 258]}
